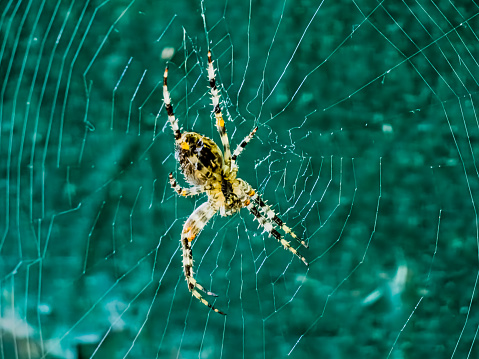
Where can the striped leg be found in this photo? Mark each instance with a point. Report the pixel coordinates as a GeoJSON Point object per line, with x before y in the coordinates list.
{"type": "Point", "coordinates": [220, 123]}
{"type": "Point", "coordinates": [240, 148]}
{"type": "Point", "coordinates": [269, 213]}
{"type": "Point", "coordinates": [268, 224]}
{"type": "Point", "coordinates": [184, 191]}
{"type": "Point", "coordinates": [169, 107]}
{"type": "Point", "coordinates": [193, 226]}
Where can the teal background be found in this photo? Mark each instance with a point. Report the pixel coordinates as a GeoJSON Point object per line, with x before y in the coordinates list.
{"type": "Point", "coordinates": [367, 145]}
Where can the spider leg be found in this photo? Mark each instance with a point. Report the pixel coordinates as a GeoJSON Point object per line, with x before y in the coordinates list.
{"type": "Point", "coordinates": [220, 123]}
{"type": "Point", "coordinates": [184, 191]}
{"type": "Point", "coordinates": [269, 227]}
{"type": "Point", "coordinates": [193, 225]}
{"type": "Point", "coordinates": [268, 221]}
{"type": "Point", "coordinates": [269, 213]}
{"type": "Point", "coordinates": [240, 149]}
{"type": "Point", "coordinates": [169, 107]}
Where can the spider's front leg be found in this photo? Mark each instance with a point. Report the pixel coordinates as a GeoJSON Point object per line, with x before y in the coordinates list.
{"type": "Point", "coordinates": [269, 214]}
{"type": "Point", "coordinates": [268, 220]}
{"type": "Point", "coordinates": [193, 226]}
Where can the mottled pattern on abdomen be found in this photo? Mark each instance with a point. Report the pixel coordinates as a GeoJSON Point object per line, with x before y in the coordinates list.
{"type": "Point", "coordinates": [199, 157]}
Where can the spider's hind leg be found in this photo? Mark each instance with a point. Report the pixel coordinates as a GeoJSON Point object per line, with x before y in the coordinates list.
{"type": "Point", "coordinates": [240, 149]}
{"type": "Point", "coordinates": [192, 191]}
{"type": "Point", "coordinates": [169, 107]}
{"type": "Point", "coordinates": [220, 123]}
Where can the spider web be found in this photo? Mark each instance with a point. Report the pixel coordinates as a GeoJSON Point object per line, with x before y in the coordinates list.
{"type": "Point", "coordinates": [368, 130]}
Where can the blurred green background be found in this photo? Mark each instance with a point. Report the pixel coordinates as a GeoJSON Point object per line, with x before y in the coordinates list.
{"type": "Point", "coordinates": [367, 145]}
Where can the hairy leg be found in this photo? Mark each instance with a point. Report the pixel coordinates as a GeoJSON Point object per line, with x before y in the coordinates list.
{"type": "Point", "coordinates": [169, 107]}
{"type": "Point", "coordinates": [220, 123]}
{"type": "Point", "coordinates": [193, 226]}
{"type": "Point", "coordinates": [184, 191]}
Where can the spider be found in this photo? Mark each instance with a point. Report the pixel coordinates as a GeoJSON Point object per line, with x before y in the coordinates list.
{"type": "Point", "coordinates": [209, 170]}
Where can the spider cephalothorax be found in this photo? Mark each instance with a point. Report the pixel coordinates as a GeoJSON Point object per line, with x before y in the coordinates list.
{"type": "Point", "coordinates": [209, 170]}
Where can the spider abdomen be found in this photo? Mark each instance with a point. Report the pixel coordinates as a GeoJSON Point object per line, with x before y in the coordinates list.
{"type": "Point", "coordinates": [199, 157]}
